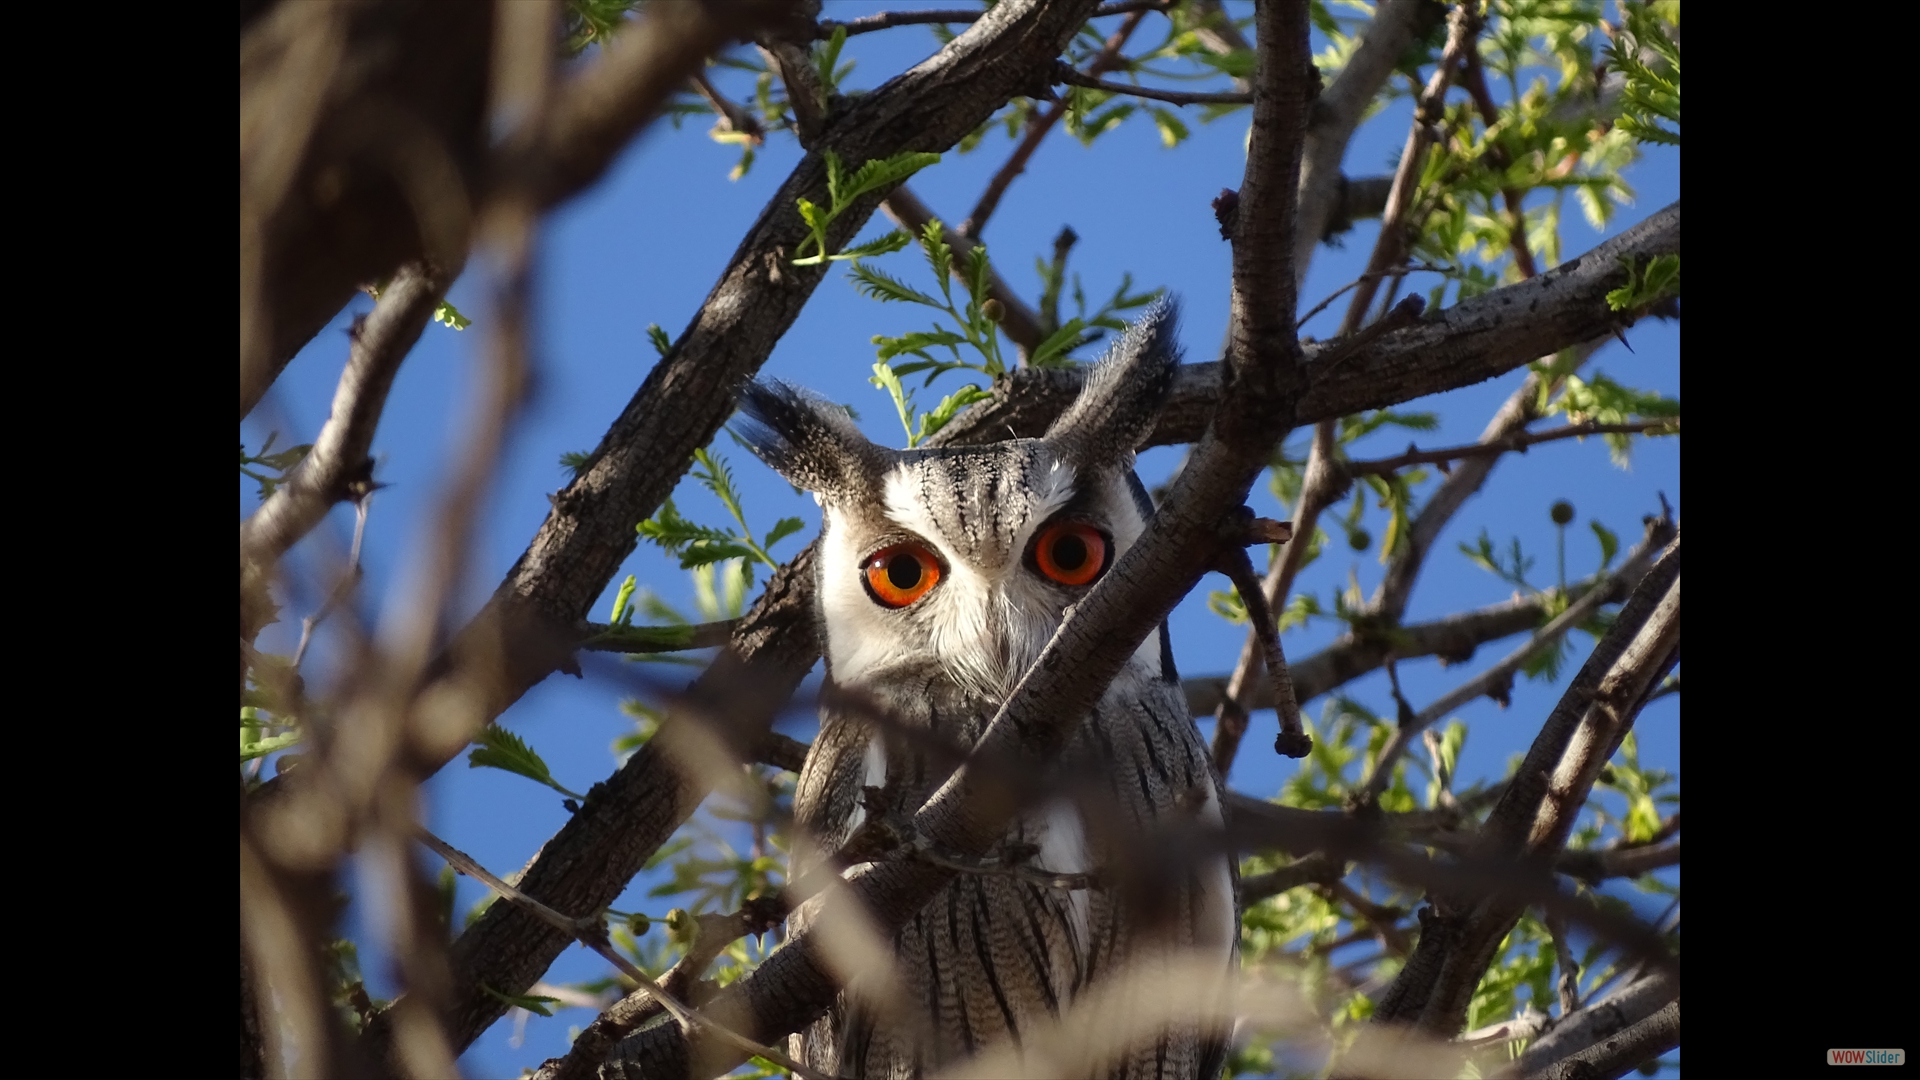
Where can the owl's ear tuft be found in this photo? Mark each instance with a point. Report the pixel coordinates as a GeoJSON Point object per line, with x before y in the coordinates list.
{"type": "Point", "coordinates": [1123, 393]}
{"type": "Point", "coordinates": [809, 440]}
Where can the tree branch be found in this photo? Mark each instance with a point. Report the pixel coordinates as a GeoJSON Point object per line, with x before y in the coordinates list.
{"type": "Point", "coordinates": [712, 934]}
{"type": "Point", "coordinates": [1323, 189]}
{"type": "Point", "coordinates": [1535, 813]}
{"type": "Point", "coordinates": [1520, 441]}
{"type": "Point", "coordinates": [1594, 867]}
{"type": "Point", "coordinates": [338, 468]}
{"type": "Point", "coordinates": [969, 812]}
{"type": "Point", "coordinates": [1022, 326]}
{"type": "Point", "coordinates": [1470, 342]}
{"type": "Point", "coordinates": [385, 168]}
{"type": "Point", "coordinates": [528, 628]}
{"type": "Point", "coordinates": [887, 20]}
{"type": "Point", "coordinates": [1065, 73]}
{"type": "Point", "coordinates": [1453, 639]}
{"type": "Point", "coordinates": [1037, 129]}
{"type": "Point", "coordinates": [1613, 1057]}
{"type": "Point", "coordinates": [591, 931]}
{"type": "Point", "coordinates": [1497, 681]}
{"type": "Point", "coordinates": [1578, 1031]}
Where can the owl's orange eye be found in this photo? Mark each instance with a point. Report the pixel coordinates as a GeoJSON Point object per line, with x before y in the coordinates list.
{"type": "Point", "coordinates": [1072, 553]}
{"type": "Point", "coordinates": [897, 576]}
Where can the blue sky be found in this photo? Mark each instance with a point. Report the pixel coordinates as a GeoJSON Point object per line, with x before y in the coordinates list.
{"type": "Point", "coordinates": [647, 243]}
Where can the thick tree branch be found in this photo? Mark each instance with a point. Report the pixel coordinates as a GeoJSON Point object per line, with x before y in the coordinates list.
{"type": "Point", "coordinates": [1468, 343]}
{"type": "Point", "coordinates": [364, 144]}
{"type": "Point", "coordinates": [1617, 1055]}
{"type": "Point", "coordinates": [1453, 639]}
{"type": "Point", "coordinates": [1578, 1031]}
{"type": "Point", "coordinates": [1594, 867]}
{"type": "Point", "coordinates": [969, 813]}
{"type": "Point", "coordinates": [887, 20]}
{"type": "Point", "coordinates": [338, 468]}
{"type": "Point", "coordinates": [1535, 814]}
{"type": "Point", "coordinates": [637, 791]}
{"type": "Point", "coordinates": [529, 628]}
{"type": "Point", "coordinates": [1323, 190]}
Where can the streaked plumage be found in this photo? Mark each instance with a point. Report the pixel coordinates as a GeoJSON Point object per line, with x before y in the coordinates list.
{"type": "Point", "coordinates": [943, 574]}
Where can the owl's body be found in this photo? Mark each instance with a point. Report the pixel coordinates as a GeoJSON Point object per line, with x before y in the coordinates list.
{"type": "Point", "coordinates": [943, 575]}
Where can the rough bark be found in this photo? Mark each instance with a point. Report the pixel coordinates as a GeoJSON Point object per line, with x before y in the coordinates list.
{"type": "Point", "coordinates": [683, 402]}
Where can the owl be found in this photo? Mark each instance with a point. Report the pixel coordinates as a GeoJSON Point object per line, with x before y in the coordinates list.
{"type": "Point", "coordinates": [943, 573]}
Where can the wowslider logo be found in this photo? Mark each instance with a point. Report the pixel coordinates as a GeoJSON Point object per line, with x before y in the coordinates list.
{"type": "Point", "coordinates": [1866, 1057]}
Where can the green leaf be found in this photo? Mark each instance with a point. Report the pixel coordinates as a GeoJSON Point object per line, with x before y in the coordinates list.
{"type": "Point", "coordinates": [882, 172]}
{"type": "Point", "coordinates": [885, 245]}
{"type": "Point", "coordinates": [446, 313]}
{"type": "Point", "coordinates": [1609, 543]}
{"type": "Point", "coordinates": [661, 344]}
{"type": "Point", "coordinates": [268, 745]}
{"type": "Point", "coordinates": [784, 528]}
{"type": "Point", "coordinates": [501, 749]}
{"type": "Point", "coordinates": [1658, 279]}
{"type": "Point", "coordinates": [641, 638]}
{"type": "Point", "coordinates": [573, 461]}
{"type": "Point", "coordinates": [1172, 131]}
{"type": "Point", "coordinates": [703, 553]}
{"type": "Point", "coordinates": [827, 55]}
{"type": "Point", "coordinates": [939, 255]}
{"type": "Point", "coordinates": [815, 217]}
{"type": "Point", "coordinates": [620, 611]}
{"type": "Point", "coordinates": [533, 1003]}
{"type": "Point", "coordinates": [674, 533]}
{"type": "Point", "coordinates": [884, 377]}
{"type": "Point", "coordinates": [916, 341]}
{"type": "Point", "coordinates": [945, 411]}
{"type": "Point", "coordinates": [878, 285]}
{"type": "Point", "coordinates": [1052, 351]}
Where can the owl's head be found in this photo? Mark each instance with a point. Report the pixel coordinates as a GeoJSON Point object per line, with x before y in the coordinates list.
{"type": "Point", "coordinates": [963, 560]}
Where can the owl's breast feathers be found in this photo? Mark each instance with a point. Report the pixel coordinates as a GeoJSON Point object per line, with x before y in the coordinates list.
{"type": "Point", "coordinates": [997, 957]}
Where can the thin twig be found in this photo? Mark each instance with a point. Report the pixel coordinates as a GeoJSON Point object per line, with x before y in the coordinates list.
{"type": "Point", "coordinates": [1107, 60]}
{"type": "Point", "coordinates": [1394, 271]}
{"type": "Point", "coordinates": [1568, 985]}
{"type": "Point", "coordinates": [1475, 81]}
{"type": "Point", "coordinates": [735, 116]}
{"type": "Point", "coordinates": [1293, 741]}
{"type": "Point", "coordinates": [989, 867]}
{"type": "Point", "coordinates": [711, 935]}
{"type": "Point", "coordinates": [1065, 73]}
{"type": "Point", "coordinates": [592, 933]}
{"type": "Point", "coordinates": [1384, 920]}
{"type": "Point", "coordinates": [1518, 441]}
{"type": "Point", "coordinates": [1390, 248]}
{"type": "Point", "coordinates": [1494, 678]}
{"type": "Point", "coordinates": [1303, 871]}
{"type": "Point", "coordinates": [887, 20]}
{"type": "Point", "coordinates": [348, 579]}
{"type": "Point", "coordinates": [1021, 325]}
